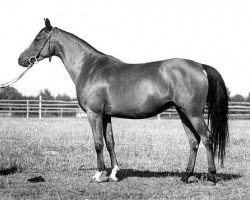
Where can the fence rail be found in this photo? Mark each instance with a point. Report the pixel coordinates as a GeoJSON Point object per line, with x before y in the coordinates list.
{"type": "Point", "coordinates": [54, 108]}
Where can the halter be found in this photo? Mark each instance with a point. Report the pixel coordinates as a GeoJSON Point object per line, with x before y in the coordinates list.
{"type": "Point", "coordinates": [32, 60]}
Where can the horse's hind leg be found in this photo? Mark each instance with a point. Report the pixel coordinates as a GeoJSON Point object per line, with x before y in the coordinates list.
{"type": "Point", "coordinates": [207, 140]}
{"type": "Point", "coordinates": [201, 128]}
{"type": "Point", "coordinates": [108, 136]}
{"type": "Point", "coordinates": [194, 141]}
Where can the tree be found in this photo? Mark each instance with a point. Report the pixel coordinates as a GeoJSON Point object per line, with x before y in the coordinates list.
{"type": "Point", "coordinates": [237, 98]}
{"type": "Point", "coordinates": [228, 93]}
{"type": "Point", "coordinates": [31, 97]}
{"type": "Point", "coordinates": [46, 94]}
{"type": "Point", "coordinates": [248, 98]}
{"type": "Point", "coordinates": [10, 93]}
{"type": "Point", "coordinates": [63, 97]}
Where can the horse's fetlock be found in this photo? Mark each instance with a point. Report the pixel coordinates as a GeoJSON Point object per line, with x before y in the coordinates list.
{"type": "Point", "coordinates": [212, 170]}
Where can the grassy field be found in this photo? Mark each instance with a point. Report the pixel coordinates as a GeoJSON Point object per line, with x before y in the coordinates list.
{"type": "Point", "coordinates": [152, 156]}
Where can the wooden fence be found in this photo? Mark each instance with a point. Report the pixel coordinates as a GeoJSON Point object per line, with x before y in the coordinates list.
{"type": "Point", "coordinates": [53, 108]}
{"type": "Point", "coordinates": [39, 108]}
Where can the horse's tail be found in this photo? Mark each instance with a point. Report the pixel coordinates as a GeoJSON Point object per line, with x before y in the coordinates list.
{"type": "Point", "coordinates": [217, 105]}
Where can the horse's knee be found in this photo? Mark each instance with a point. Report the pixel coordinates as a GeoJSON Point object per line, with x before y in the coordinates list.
{"type": "Point", "coordinates": [98, 147]}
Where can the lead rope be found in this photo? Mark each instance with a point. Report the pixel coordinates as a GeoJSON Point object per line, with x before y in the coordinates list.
{"type": "Point", "coordinates": [4, 85]}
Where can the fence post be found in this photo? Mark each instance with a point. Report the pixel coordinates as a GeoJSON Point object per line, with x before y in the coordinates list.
{"type": "Point", "coordinates": [159, 117]}
{"type": "Point", "coordinates": [27, 114]}
{"type": "Point", "coordinates": [40, 107]}
{"type": "Point", "coordinates": [158, 122]}
{"type": "Point", "coordinates": [10, 111]}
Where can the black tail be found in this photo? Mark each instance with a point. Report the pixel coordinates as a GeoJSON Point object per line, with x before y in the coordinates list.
{"type": "Point", "coordinates": [217, 105]}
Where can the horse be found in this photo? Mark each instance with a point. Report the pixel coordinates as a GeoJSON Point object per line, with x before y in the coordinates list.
{"type": "Point", "coordinates": [107, 87]}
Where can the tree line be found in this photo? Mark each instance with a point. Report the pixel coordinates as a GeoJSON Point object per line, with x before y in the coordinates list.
{"type": "Point", "coordinates": [13, 94]}
{"type": "Point", "coordinates": [238, 97]}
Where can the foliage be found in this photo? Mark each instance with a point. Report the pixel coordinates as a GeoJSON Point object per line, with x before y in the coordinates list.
{"type": "Point", "coordinates": [10, 93]}
{"type": "Point", "coordinates": [63, 97]}
{"type": "Point", "coordinates": [248, 98]}
{"type": "Point", "coordinates": [237, 98]}
{"type": "Point", "coordinates": [46, 94]}
{"type": "Point", "coordinates": [228, 92]}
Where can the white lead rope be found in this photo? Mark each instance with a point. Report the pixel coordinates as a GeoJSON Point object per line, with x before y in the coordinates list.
{"type": "Point", "coordinates": [32, 60]}
{"type": "Point", "coordinates": [4, 85]}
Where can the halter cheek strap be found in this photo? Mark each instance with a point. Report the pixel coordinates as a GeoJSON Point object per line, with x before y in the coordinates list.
{"type": "Point", "coordinates": [50, 58]}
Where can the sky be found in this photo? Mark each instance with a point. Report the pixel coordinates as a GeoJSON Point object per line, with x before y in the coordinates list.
{"type": "Point", "coordinates": [212, 32]}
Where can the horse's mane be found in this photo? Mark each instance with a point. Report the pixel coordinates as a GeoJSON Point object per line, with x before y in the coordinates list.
{"type": "Point", "coordinates": [87, 45]}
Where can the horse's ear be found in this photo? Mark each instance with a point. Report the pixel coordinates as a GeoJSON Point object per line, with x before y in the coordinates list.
{"type": "Point", "coordinates": [47, 24]}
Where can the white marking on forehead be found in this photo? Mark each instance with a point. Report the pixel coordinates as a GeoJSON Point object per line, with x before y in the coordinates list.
{"type": "Point", "coordinates": [204, 72]}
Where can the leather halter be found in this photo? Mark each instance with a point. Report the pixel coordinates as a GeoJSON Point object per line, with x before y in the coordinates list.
{"type": "Point", "coordinates": [34, 59]}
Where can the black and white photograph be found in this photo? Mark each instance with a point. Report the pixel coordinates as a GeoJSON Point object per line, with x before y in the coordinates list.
{"type": "Point", "coordinates": [124, 99]}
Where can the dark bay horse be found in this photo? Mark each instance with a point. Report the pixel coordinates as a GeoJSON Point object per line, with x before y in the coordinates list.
{"type": "Point", "coordinates": [107, 87]}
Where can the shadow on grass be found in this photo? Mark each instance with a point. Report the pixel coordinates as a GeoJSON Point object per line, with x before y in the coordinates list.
{"type": "Point", "coordinates": [125, 173]}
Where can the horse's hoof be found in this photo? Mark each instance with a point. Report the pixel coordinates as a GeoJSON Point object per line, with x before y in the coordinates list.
{"type": "Point", "coordinates": [193, 179]}
{"type": "Point", "coordinates": [184, 179]}
{"type": "Point", "coordinates": [211, 180]}
{"type": "Point", "coordinates": [101, 178]}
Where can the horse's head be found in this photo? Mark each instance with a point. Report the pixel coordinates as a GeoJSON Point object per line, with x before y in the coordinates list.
{"type": "Point", "coordinates": [39, 49]}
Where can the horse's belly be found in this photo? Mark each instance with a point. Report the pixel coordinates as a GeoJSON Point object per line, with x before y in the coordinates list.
{"type": "Point", "coordinates": [143, 102]}
{"type": "Point", "coordinates": [142, 110]}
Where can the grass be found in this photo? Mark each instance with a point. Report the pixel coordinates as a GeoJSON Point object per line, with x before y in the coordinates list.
{"type": "Point", "coordinates": [152, 156]}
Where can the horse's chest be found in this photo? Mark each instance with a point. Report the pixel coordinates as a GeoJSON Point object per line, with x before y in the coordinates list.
{"type": "Point", "coordinates": [92, 97]}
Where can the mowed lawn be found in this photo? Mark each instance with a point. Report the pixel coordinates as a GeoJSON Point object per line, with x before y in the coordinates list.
{"type": "Point", "coordinates": [152, 155]}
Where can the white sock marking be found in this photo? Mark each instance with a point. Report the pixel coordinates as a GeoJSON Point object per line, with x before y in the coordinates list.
{"type": "Point", "coordinates": [97, 176]}
{"type": "Point", "coordinates": [113, 173]}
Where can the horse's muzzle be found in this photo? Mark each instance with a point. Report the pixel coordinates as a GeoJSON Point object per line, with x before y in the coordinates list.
{"type": "Point", "coordinates": [24, 62]}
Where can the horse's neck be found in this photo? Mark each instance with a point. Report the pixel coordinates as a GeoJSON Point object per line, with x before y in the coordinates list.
{"type": "Point", "coordinates": [76, 54]}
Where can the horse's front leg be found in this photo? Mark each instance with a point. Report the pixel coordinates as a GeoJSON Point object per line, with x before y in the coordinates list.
{"type": "Point", "coordinates": [96, 123]}
{"type": "Point", "coordinates": [109, 139]}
